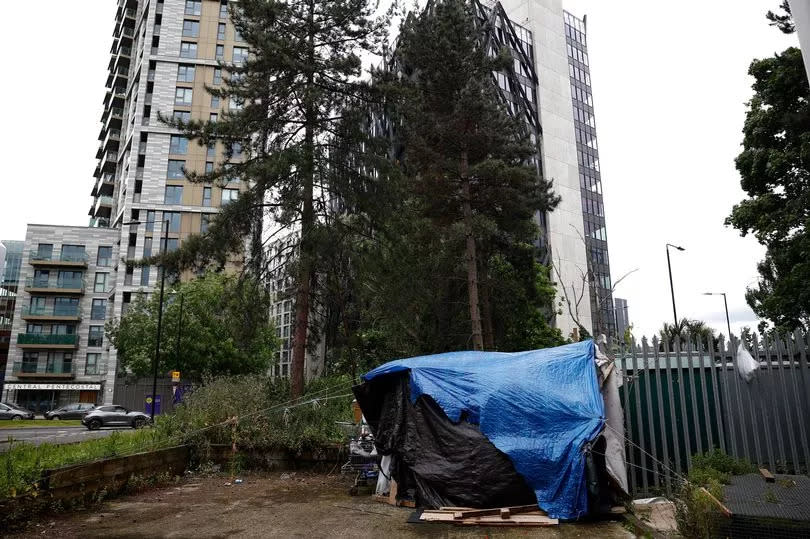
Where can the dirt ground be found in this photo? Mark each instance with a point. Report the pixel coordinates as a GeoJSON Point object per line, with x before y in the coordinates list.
{"type": "Point", "coordinates": [271, 505]}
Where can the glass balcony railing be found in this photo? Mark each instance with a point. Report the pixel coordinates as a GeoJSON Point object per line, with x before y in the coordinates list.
{"type": "Point", "coordinates": [66, 284]}
{"type": "Point", "coordinates": [47, 340]}
{"type": "Point", "coordinates": [56, 310]}
{"type": "Point", "coordinates": [63, 257]}
{"type": "Point", "coordinates": [58, 368]}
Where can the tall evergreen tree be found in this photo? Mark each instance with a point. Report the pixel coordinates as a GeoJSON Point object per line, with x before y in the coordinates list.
{"type": "Point", "coordinates": [466, 157]}
{"type": "Point", "coordinates": [285, 103]}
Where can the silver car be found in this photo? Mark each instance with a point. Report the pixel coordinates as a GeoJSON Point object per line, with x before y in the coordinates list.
{"type": "Point", "coordinates": [114, 416]}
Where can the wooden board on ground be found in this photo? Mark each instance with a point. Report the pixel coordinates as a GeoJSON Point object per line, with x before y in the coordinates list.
{"type": "Point", "coordinates": [767, 475]}
{"type": "Point", "coordinates": [525, 515]}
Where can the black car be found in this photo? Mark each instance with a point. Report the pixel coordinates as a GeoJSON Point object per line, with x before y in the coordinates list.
{"type": "Point", "coordinates": [70, 411]}
{"type": "Point", "coordinates": [14, 412]}
{"type": "Point", "coordinates": [114, 416]}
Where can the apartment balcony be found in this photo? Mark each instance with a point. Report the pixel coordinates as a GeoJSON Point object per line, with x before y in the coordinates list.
{"type": "Point", "coordinates": [109, 160]}
{"type": "Point", "coordinates": [48, 342]}
{"type": "Point", "coordinates": [62, 287]}
{"type": "Point", "coordinates": [102, 207]}
{"type": "Point", "coordinates": [65, 260]}
{"type": "Point", "coordinates": [105, 185]}
{"type": "Point", "coordinates": [55, 313]}
{"type": "Point", "coordinates": [128, 17]}
{"type": "Point", "coordinates": [99, 222]}
{"type": "Point", "coordinates": [113, 136]}
{"type": "Point", "coordinates": [112, 118]}
{"type": "Point", "coordinates": [25, 369]}
{"type": "Point", "coordinates": [125, 33]}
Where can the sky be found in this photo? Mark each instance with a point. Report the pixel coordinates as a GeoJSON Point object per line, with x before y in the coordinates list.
{"type": "Point", "coordinates": [670, 84]}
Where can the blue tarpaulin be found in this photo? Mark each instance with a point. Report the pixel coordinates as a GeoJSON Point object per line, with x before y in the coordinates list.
{"type": "Point", "coordinates": [539, 408]}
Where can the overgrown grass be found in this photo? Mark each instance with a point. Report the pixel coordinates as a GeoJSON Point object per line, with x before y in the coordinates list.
{"type": "Point", "coordinates": [22, 465]}
{"type": "Point", "coordinates": [253, 412]}
{"type": "Point", "coordinates": [39, 423]}
{"type": "Point", "coordinates": [696, 512]}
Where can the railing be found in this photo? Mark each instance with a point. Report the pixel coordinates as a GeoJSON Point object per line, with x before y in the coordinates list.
{"type": "Point", "coordinates": [64, 257]}
{"type": "Point", "coordinates": [68, 310]}
{"type": "Point", "coordinates": [47, 340]}
{"type": "Point", "coordinates": [25, 367]}
{"type": "Point", "coordinates": [67, 284]}
{"type": "Point", "coordinates": [105, 201]}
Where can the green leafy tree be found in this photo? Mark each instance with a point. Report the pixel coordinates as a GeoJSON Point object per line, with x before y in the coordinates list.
{"type": "Point", "coordinates": [222, 329]}
{"type": "Point", "coordinates": [472, 193]}
{"type": "Point", "coordinates": [775, 170]}
{"type": "Point", "coordinates": [285, 106]}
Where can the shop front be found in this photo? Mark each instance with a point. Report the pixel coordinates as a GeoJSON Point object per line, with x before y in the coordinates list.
{"type": "Point", "coordinates": [41, 397]}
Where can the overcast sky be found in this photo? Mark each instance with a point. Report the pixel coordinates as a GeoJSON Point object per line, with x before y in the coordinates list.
{"type": "Point", "coordinates": [670, 82]}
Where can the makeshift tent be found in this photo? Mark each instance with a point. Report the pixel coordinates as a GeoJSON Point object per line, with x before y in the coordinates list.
{"type": "Point", "coordinates": [489, 429]}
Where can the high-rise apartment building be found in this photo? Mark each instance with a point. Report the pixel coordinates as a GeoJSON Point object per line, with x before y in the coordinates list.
{"type": "Point", "coordinates": [163, 53]}
{"type": "Point", "coordinates": [590, 178]}
{"type": "Point", "coordinates": [555, 91]}
{"type": "Point", "coordinates": [10, 262]}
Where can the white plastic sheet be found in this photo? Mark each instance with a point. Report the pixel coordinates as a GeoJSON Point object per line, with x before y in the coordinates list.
{"type": "Point", "coordinates": [746, 365]}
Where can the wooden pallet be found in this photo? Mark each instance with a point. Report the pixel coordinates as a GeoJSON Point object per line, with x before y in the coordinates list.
{"type": "Point", "coordinates": [524, 515]}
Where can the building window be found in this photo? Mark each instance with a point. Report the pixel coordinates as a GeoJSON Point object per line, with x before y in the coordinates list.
{"type": "Point", "coordinates": [91, 366]}
{"type": "Point", "coordinates": [237, 36]}
{"type": "Point", "coordinates": [178, 145]}
{"type": "Point", "coordinates": [234, 104]}
{"type": "Point", "coordinates": [74, 253]}
{"type": "Point", "coordinates": [223, 9]}
{"type": "Point", "coordinates": [183, 96]}
{"type": "Point", "coordinates": [217, 75]}
{"type": "Point", "coordinates": [206, 200]}
{"type": "Point", "coordinates": [100, 284]}
{"type": "Point", "coordinates": [145, 275]}
{"type": "Point", "coordinates": [213, 117]}
{"type": "Point", "coordinates": [212, 151]}
{"type": "Point", "coordinates": [209, 167]}
{"type": "Point", "coordinates": [191, 28]}
{"type": "Point", "coordinates": [221, 31]}
{"type": "Point", "coordinates": [150, 220]}
{"type": "Point", "coordinates": [214, 102]}
{"type": "Point", "coordinates": [98, 310]}
{"type": "Point", "coordinates": [173, 194]}
{"type": "Point", "coordinates": [185, 73]}
{"type": "Point", "coordinates": [171, 244]}
{"type": "Point", "coordinates": [182, 115]}
{"type": "Point", "coordinates": [240, 54]}
{"type": "Point", "coordinates": [44, 251]}
{"type": "Point", "coordinates": [193, 7]}
{"type": "Point", "coordinates": [174, 220]}
{"type": "Point", "coordinates": [147, 247]}
{"type": "Point", "coordinates": [95, 338]}
{"type": "Point", "coordinates": [69, 279]}
{"type": "Point", "coordinates": [229, 195]}
{"type": "Point", "coordinates": [175, 169]}
{"type": "Point", "coordinates": [220, 53]}
{"type": "Point", "coordinates": [188, 49]}
{"type": "Point", "coordinates": [205, 220]}
{"type": "Point", "coordinates": [104, 257]}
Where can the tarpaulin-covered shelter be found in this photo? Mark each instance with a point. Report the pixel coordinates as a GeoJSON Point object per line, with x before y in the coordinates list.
{"type": "Point", "coordinates": [489, 429]}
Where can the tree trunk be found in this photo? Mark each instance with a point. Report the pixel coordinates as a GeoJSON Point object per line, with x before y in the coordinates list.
{"type": "Point", "coordinates": [486, 314]}
{"type": "Point", "coordinates": [307, 222]}
{"type": "Point", "coordinates": [471, 256]}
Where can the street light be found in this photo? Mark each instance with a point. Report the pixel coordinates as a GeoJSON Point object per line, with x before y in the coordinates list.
{"type": "Point", "coordinates": [671, 287]}
{"type": "Point", "coordinates": [160, 321]}
{"type": "Point", "coordinates": [725, 302]}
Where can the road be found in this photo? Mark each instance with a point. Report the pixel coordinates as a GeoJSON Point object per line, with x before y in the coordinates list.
{"type": "Point", "coordinates": [53, 435]}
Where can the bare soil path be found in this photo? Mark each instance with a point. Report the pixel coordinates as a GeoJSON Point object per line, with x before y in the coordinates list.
{"type": "Point", "coordinates": [271, 505]}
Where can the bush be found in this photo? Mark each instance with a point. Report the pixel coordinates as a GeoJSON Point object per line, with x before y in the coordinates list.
{"type": "Point", "coordinates": [695, 511]}
{"type": "Point", "coordinates": [255, 414]}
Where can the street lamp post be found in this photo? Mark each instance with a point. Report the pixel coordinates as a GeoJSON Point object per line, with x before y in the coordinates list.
{"type": "Point", "coordinates": [160, 323]}
{"type": "Point", "coordinates": [179, 331]}
{"type": "Point", "coordinates": [725, 303]}
{"type": "Point", "coordinates": [671, 286]}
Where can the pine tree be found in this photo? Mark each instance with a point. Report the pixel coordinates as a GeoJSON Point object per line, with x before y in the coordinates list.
{"type": "Point", "coordinates": [466, 156]}
{"type": "Point", "coordinates": [285, 102]}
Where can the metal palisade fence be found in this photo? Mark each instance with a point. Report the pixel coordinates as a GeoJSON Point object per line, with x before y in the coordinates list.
{"type": "Point", "coordinates": [686, 396]}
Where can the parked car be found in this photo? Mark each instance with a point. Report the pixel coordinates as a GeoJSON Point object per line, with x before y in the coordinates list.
{"type": "Point", "coordinates": [70, 411]}
{"type": "Point", "coordinates": [114, 416]}
{"type": "Point", "coordinates": [14, 412]}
